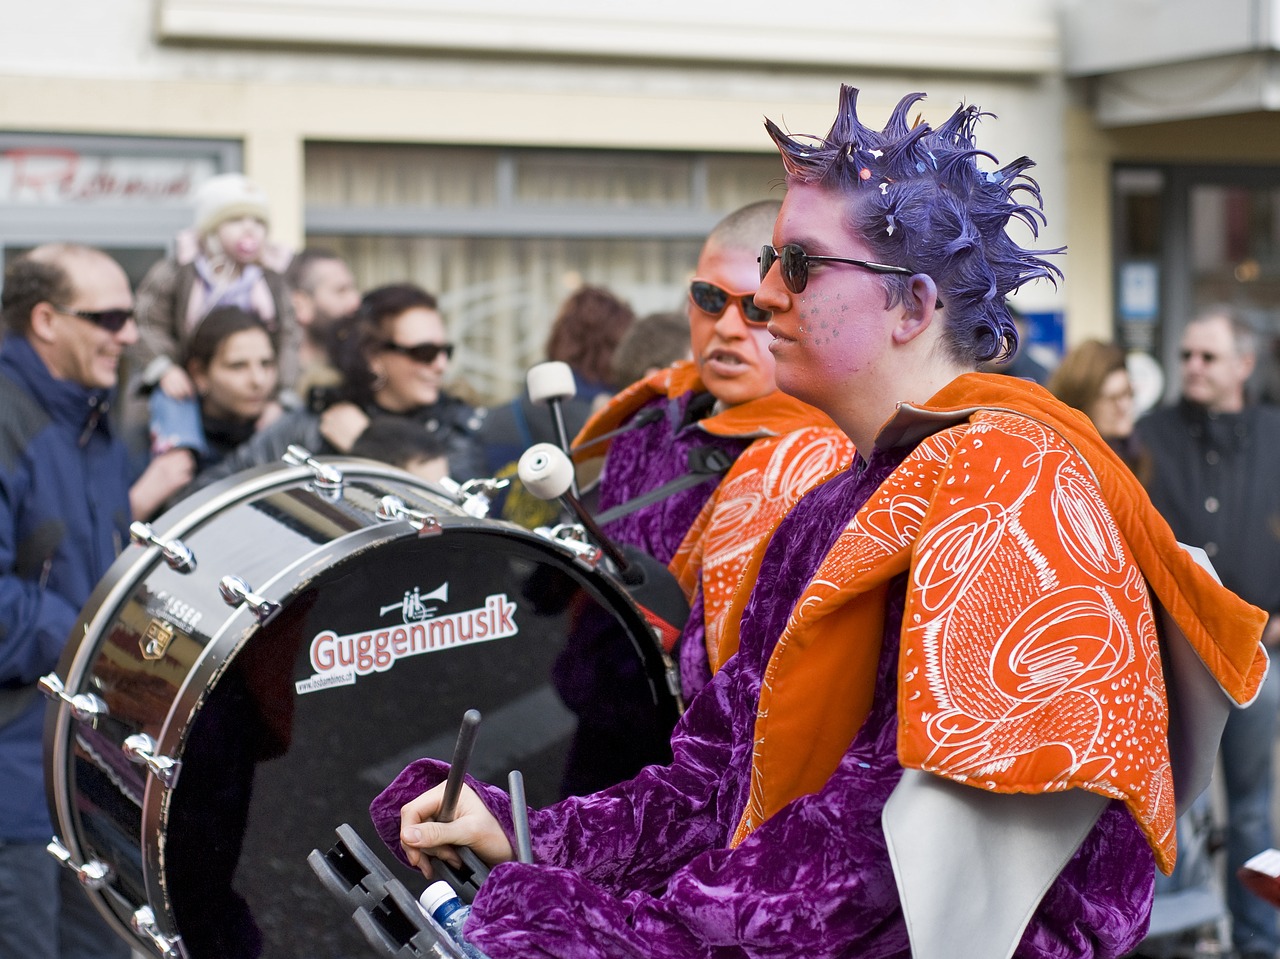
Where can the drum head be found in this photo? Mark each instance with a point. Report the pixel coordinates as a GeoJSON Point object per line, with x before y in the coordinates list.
{"type": "Point", "coordinates": [376, 651]}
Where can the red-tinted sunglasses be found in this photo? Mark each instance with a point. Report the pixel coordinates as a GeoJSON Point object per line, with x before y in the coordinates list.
{"type": "Point", "coordinates": [711, 299]}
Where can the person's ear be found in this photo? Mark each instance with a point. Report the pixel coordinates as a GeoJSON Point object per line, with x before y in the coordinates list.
{"type": "Point", "coordinates": [199, 377]}
{"type": "Point", "coordinates": [303, 307]}
{"type": "Point", "coordinates": [43, 322]}
{"type": "Point", "coordinates": [919, 308]}
{"type": "Point", "coordinates": [1247, 363]}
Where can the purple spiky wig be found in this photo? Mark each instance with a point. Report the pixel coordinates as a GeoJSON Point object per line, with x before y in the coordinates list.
{"type": "Point", "coordinates": [923, 203]}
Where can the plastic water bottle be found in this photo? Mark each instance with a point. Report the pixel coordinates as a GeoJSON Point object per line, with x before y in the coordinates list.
{"type": "Point", "coordinates": [442, 904]}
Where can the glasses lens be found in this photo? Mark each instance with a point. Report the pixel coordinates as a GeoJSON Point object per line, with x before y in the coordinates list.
{"type": "Point", "coordinates": [768, 256]}
{"type": "Point", "coordinates": [795, 268]}
{"type": "Point", "coordinates": [112, 321]}
{"type": "Point", "coordinates": [752, 313]}
{"type": "Point", "coordinates": [422, 352]}
{"type": "Point", "coordinates": [708, 297]}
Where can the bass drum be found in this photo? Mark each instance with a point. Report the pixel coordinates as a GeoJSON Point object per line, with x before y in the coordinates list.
{"type": "Point", "coordinates": [215, 724]}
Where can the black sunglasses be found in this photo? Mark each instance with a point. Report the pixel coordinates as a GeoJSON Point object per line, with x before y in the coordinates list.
{"type": "Point", "coordinates": [711, 299]}
{"type": "Point", "coordinates": [421, 352]}
{"type": "Point", "coordinates": [795, 265]}
{"type": "Point", "coordinates": [112, 321]}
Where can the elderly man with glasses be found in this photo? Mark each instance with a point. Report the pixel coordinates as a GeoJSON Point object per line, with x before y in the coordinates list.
{"type": "Point", "coordinates": [1215, 461]}
{"type": "Point", "coordinates": [64, 515]}
{"type": "Point", "coordinates": [944, 732]}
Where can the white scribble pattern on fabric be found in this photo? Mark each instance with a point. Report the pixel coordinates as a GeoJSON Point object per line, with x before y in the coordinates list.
{"type": "Point", "coordinates": [1032, 619]}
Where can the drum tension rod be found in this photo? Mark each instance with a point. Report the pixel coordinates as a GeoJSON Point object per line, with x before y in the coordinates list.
{"type": "Point", "coordinates": [391, 508]}
{"type": "Point", "coordinates": [235, 591]}
{"type": "Point", "coordinates": [92, 874]}
{"type": "Point", "coordinates": [143, 922]}
{"type": "Point", "coordinates": [175, 551]}
{"type": "Point", "coordinates": [141, 749]}
{"type": "Point", "coordinates": [328, 480]}
{"type": "Point", "coordinates": [86, 707]}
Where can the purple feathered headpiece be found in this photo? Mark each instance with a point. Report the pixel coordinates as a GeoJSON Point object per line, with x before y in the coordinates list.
{"type": "Point", "coordinates": [924, 203]}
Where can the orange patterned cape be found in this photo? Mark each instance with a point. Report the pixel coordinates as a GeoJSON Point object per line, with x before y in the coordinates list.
{"type": "Point", "coordinates": [1029, 658]}
{"type": "Point", "coordinates": [763, 483]}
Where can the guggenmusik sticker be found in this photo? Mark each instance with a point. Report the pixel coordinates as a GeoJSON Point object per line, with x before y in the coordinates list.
{"type": "Point", "coordinates": [338, 660]}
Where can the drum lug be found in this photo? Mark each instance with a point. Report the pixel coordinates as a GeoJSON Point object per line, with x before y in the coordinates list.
{"type": "Point", "coordinates": [175, 552]}
{"type": "Point", "coordinates": [235, 591]}
{"type": "Point", "coordinates": [327, 480]}
{"type": "Point", "coordinates": [92, 874]}
{"type": "Point", "coordinates": [141, 749]}
{"type": "Point", "coordinates": [391, 508]}
{"type": "Point", "coordinates": [574, 539]}
{"type": "Point", "coordinates": [143, 922]}
{"type": "Point", "coordinates": [475, 496]}
{"type": "Point", "coordinates": [86, 707]}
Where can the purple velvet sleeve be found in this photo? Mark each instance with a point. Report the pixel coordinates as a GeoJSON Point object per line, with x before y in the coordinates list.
{"type": "Point", "coordinates": [633, 835]}
{"type": "Point", "coordinates": [644, 459]}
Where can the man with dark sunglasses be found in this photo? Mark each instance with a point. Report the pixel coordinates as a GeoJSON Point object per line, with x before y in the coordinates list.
{"type": "Point", "coordinates": [64, 515]}
{"type": "Point", "coordinates": [943, 729]}
{"type": "Point", "coordinates": [1215, 461]}
{"type": "Point", "coordinates": [703, 456]}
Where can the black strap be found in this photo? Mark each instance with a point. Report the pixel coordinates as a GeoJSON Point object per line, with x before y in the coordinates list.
{"type": "Point", "coordinates": [643, 418]}
{"type": "Point", "coordinates": [704, 462]}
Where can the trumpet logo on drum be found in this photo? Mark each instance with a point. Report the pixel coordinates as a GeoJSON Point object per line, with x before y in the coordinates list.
{"type": "Point", "coordinates": [413, 608]}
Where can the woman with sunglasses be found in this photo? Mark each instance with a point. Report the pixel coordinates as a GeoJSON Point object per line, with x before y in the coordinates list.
{"type": "Point", "coordinates": [392, 355]}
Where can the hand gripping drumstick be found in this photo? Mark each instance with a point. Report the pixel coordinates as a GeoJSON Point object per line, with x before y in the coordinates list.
{"type": "Point", "coordinates": [465, 881]}
{"type": "Point", "coordinates": [550, 383]}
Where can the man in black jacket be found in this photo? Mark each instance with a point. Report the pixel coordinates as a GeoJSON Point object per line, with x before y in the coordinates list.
{"type": "Point", "coordinates": [1215, 462]}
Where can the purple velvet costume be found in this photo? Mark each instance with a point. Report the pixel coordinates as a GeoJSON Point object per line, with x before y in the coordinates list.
{"type": "Point", "coordinates": [642, 869]}
{"type": "Point", "coordinates": [645, 458]}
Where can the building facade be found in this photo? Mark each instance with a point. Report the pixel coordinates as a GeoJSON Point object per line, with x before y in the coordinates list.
{"type": "Point", "coordinates": [500, 154]}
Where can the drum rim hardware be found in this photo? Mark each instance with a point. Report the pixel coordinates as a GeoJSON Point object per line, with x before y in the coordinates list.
{"type": "Point", "coordinates": [85, 707]}
{"type": "Point", "coordinates": [176, 553]}
{"type": "Point", "coordinates": [327, 480]}
{"type": "Point", "coordinates": [94, 874]}
{"type": "Point", "coordinates": [235, 591]}
{"type": "Point", "coordinates": [143, 922]}
{"type": "Point", "coordinates": [141, 749]}
{"type": "Point", "coordinates": [392, 508]}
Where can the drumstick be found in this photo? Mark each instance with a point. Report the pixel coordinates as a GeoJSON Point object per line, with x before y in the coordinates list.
{"type": "Point", "coordinates": [520, 816]}
{"type": "Point", "coordinates": [458, 769]}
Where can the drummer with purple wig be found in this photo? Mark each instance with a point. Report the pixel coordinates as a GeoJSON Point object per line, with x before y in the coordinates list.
{"type": "Point", "coordinates": [948, 728]}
